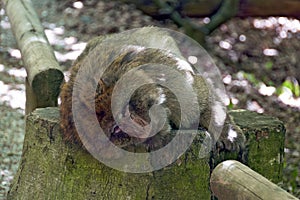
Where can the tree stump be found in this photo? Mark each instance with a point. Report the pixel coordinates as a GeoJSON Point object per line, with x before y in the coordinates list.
{"type": "Point", "coordinates": [265, 143]}
{"type": "Point", "coordinates": [52, 169]}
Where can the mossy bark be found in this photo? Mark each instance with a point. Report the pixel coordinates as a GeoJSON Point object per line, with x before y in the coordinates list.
{"type": "Point", "coordinates": [265, 142]}
{"type": "Point", "coordinates": [51, 169]}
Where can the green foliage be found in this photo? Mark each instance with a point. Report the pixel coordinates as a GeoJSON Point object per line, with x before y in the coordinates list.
{"type": "Point", "coordinates": [294, 175]}
{"type": "Point", "coordinates": [251, 78]}
{"type": "Point", "coordinates": [230, 106]}
{"type": "Point", "coordinates": [290, 178]}
{"type": "Point", "coordinates": [291, 84]}
{"type": "Point", "coordinates": [269, 65]}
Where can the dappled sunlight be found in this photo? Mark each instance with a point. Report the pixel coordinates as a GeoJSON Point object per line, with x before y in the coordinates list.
{"type": "Point", "coordinates": [288, 98]}
{"type": "Point", "coordinates": [225, 45]}
{"type": "Point", "coordinates": [193, 59]}
{"type": "Point", "coordinates": [54, 38]}
{"type": "Point", "coordinates": [234, 100]}
{"type": "Point", "coordinates": [13, 95]}
{"type": "Point", "coordinates": [227, 79]}
{"type": "Point", "coordinates": [78, 5]}
{"type": "Point", "coordinates": [7, 176]}
{"type": "Point", "coordinates": [17, 72]}
{"type": "Point", "coordinates": [1, 67]}
{"type": "Point", "coordinates": [206, 20]}
{"type": "Point", "coordinates": [283, 25]}
{"type": "Point", "coordinates": [270, 52]}
{"type": "Point", "coordinates": [279, 28]}
{"type": "Point", "coordinates": [63, 57]}
{"type": "Point", "coordinates": [254, 106]}
{"type": "Point", "coordinates": [4, 23]}
{"type": "Point", "coordinates": [287, 93]}
{"type": "Point", "coordinates": [266, 90]}
{"type": "Point", "coordinates": [242, 38]}
{"type": "Point", "coordinates": [69, 47]}
{"type": "Point", "coordinates": [268, 55]}
{"type": "Point", "coordinates": [15, 53]}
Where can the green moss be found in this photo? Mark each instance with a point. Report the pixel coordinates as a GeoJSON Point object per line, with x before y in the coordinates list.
{"type": "Point", "coordinates": [265, 143]}
{"type": "Point", "coordinates": [51, 169]}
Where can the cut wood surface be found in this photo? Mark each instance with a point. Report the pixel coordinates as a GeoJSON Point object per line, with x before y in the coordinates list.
{"type": "Point", "coordinates": [204, 8]}
{"type": "Point", "coordinates": [233, 180]}
{"type": "Point", "coordinates": [43, 71]}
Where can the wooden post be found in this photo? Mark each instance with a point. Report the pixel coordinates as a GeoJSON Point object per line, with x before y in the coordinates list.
{"type": "Point", "coordinates": [52, 169]}
{"type": "Point", "coordinates": [264, 147]}
{"type": "Point", "coordinates": [233, 180]}
{"type": "Point", "coordinates": [44, 76]}
{"type": "Point", "coordinates": [265, 142]}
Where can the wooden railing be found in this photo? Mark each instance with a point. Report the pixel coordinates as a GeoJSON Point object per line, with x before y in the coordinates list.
{"type": "Point", "coordinates": [44, 76]}
{"type": "Point", "coordinates": [233, 180]}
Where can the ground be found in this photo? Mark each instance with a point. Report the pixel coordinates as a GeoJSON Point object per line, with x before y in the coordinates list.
{"type": "Point", "coordinates": [248, 52]}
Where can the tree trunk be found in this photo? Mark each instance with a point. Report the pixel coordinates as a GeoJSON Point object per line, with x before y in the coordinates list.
{"type": "Point", "coordinates": [204, 8]}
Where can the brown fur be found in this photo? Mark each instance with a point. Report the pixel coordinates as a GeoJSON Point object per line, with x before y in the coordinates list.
{"type": "Point", "coordinates": [141, 101]}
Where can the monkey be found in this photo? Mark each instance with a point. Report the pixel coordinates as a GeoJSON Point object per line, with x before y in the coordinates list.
{"type": "Point", "coordinates": [151, 55]}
